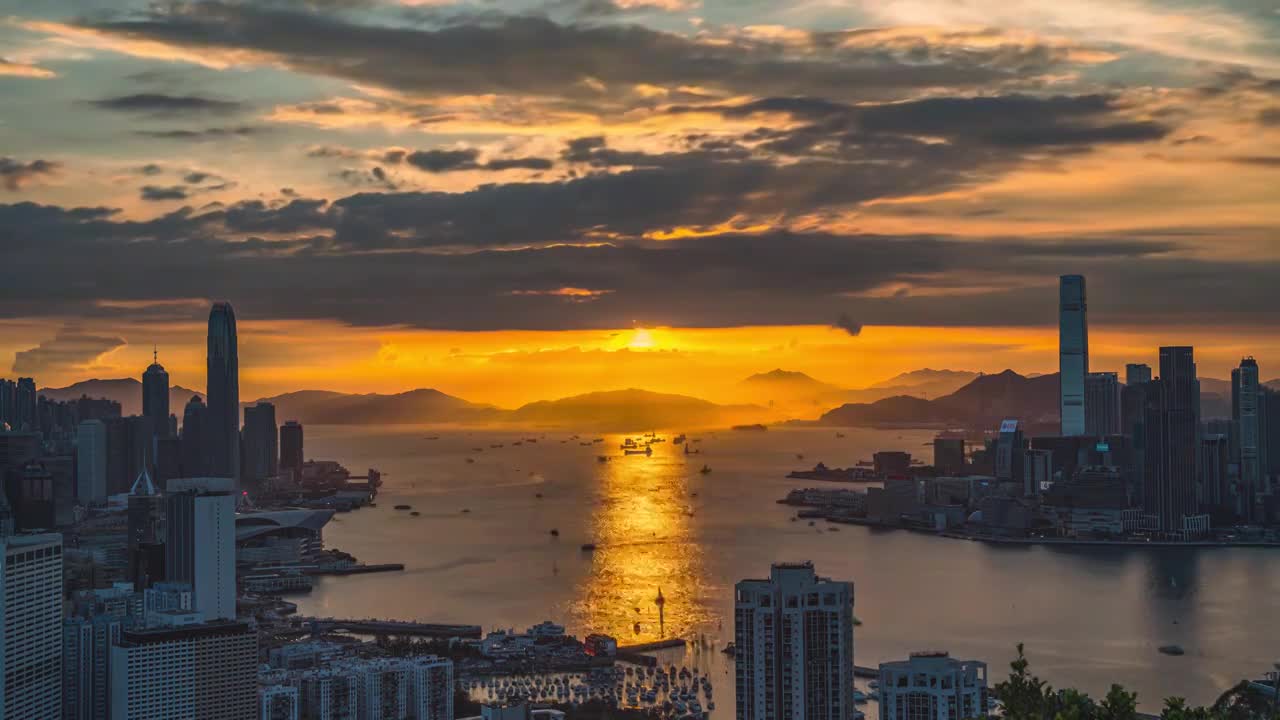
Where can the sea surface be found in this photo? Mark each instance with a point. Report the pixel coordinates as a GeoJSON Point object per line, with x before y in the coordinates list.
{"type": "Point", "coordinates": [1089, 617]}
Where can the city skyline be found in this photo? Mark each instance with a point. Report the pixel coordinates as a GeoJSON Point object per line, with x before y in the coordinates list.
{"type": "Point", "coordinates": [876, 185]}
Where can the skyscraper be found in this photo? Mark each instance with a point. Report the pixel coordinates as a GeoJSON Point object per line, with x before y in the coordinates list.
{"type": "Point", "coordinates": [25, 405]}
{"type": "Point", "coordinates": [1009, 451]}
{"type": "Point", "coordinates": [1101, 404]}
{"type": "Point", "coordinates": [195, 434]}
{"type": "Point", "coordinates": [155, 398]}
{"type": "Point", "coordinates": [1245, 394]}
{"type": "Point", "coordinates": [794, 636]}
{"type": "Point", "coordinates": [1170, 441]}
{"type": "Point", "coordinates": [201, 548]}
{"type": "Point", "coordinates": [31, 627]}
{"type": "Point", "coordinates": [1137, 373]}
{"type": "Point", "coordinates": [91, 462]}
{"type": "Point", "coordinates": [291, 452]}
{"type": "Point", "coordinates": [261, 444]}
{"type": "Point", "coordinates": [145, 545]}
{"type": "Point", "coordinates": [222, 391]}
{"type": "Point", "coordinates": [1073, 352]}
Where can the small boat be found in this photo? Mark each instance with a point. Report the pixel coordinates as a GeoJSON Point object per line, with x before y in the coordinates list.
{"type": "Point", "coordinates": [538, 495]}
{"type": "Point", "coordinates": [415, 513]}
{"type": "Point", "coordinates": [730, 650]}
{"type": "Point", "coordinates": [678, 440]}
{"type": "Point", "coordinates": [602, 458]}
{"type": "Point", "coordinates": [839, 435]}
{"type": "Point", "coordinates": [588, 547]}
{"type": "Point", "coordinates": [466, 510]}
{"type": "Point", "coordinates": [1174, 650]}
{"type": "Point", "coordinates": [432, 437]}
{"type": "Point", "coordinates": [404, 507]}
{"type": "Point", "coordinates": [555, 532]}
{"type": "Point", "coordinates": [706, 470]}
{"type": "Point", "coordinates": [646, 451]}
{"type": "Point", "coordinates": [471, 459]}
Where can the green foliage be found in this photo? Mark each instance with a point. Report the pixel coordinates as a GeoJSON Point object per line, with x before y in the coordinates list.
{"type": "Point", "coordinates": [1027, 697]}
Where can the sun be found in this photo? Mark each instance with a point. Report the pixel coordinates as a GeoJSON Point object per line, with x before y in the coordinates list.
{"type": "Point", "coordinates": [641, 339]}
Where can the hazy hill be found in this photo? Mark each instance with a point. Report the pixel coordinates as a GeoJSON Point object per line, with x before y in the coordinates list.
{"type": "Point", "coordinates": [633, 409]}
{"type": "Point", "coordinates": [981, 403]}
{"type": "Point", "coordinates": [789, 392]}
{"type": "Point", "coordinates": [923, 383]}
{"type": "Point", "coordinates": [322, 407]}
{"type": "Point", "coordinates": [126, 391]}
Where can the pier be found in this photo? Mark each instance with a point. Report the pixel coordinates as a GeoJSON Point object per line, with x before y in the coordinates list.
{"type": "Point", "coordinates": [356, 569]}
{"type": "Point", "coordinates": [398, 628]}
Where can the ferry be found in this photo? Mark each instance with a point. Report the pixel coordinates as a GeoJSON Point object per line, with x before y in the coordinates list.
{"type": "Point", "coordinates": [678, 440]}
{"type": "Point", "coordinates": [646, 451]}
{"type": "Point", "coordinates": [706, 470]}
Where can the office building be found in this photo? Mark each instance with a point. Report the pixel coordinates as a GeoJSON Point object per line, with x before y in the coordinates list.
{"type": "Point", "coordinates": [1073, 352]}
{"type": "Point", "coordinates": [1137, 373]}
{"type": "Point", "coordinates": [31, 627]}
{"type": "Point", "coordinates": [195, 449]}
{"type": "Point", "coordinates": [1009, 451]}
{"type": "Point", "coordinates": [891, 463]}
{"type": "Point", "coordinates": [200, 547]}
{"type": "Point", "coordinates": [1170, 439]}
{"type": "Point", "coordinates": [222, 392]}
{"type": "Point", "coordinates": [205, 671]}
{"type": "Point", "coordinates": [794, 639]}
{"type": "Point", "coordinates": [1245, 396]}
{"type": "Point", "coordinates": [261, 443]}
{"type": "Point", "coordinates": [25, 403]}
{"type": "Point", "coordinates": [1037, 471]}
{"type": "Point", "coordinates": [1214, 489]}
{"type": "Point", "coordinates": [91, 462]}
{"type": "Point", "coordinates": [97, 619]}
{"type": "Point", "coordinates": [144, 520]}
{"type": "Point", "coordinates": [933, 686]}
{"type": "Point", "coordinates": [948, 455]}
{"type": "Point", "coordinates": [291, 452]}
{"type": "Point", "coordinates": [155, 398]}
{"type": "Point", "coordinates": [130, 451]}
{"type": "Point", "coordinates": [1101, 404]}
{"type": "Point", "coordinates": [278, 702]}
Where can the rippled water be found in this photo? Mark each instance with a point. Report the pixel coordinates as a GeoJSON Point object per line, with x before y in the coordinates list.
{"type": "Point", "coordinates": [1089, 617]}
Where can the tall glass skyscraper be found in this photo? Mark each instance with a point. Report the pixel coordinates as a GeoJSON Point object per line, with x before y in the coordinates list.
{"type": "Point", "coordinates": [222, 431]}
{"type": "Point", "coordinates": [1073, 352]}
{"type": "Point", "coordinates": [155, 398]}
{"type": "Point", "coordinates": [1245, 394]}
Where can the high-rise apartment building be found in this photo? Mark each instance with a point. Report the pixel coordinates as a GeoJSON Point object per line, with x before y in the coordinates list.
{"type": "Point", "coordinates": [329, 693]}
{"type": "Point", "coordinates": [1137, 373]}
{"type": "Point", "coordinates": [1245, 396]}
{"type": "Point", "coordinates": [31, 627]}
{"type": "Point", "coordinates": [933, 686]}
{"type": "Point", "coordinates": [200, 547]}
{"type": "Point", "coordinates": [278, 702]}
{"type": "Point", "coordinates": [222, 432]}
{"type": "Point", "coordinates": [1073, 352]}
{"type": "Point", "coordinates": [794, 639]}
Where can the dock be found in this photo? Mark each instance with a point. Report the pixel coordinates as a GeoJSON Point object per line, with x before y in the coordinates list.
{"type": "Point", "coordinates": [635, 654]}
{"type": "Point", "coordinates": [397, 628]}
{"type": "Point", "coordinates": [357, 569]}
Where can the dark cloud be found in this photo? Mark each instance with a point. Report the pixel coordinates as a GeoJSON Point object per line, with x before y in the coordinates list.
{"type": "Point", "coordinates": [374, 177]}
{"type": "Point", "coordinates": [156, 193]}
{"type": "Point", "coordinates": [442, 161]}
{"type": "Point", "coordinates": [160, 104]}
{"type": "Point", "coordinates": [204, 134]}
{"type": "Point", "coordinates": [71, 348]}
{"type": "Point", "coordinates": [847, 324]}
{"type": "Point", "coordinates": [529, 55]}
{"type": "Point", "coordinates": [767, 278]}
{"type": "Point", "coordinates": [150, 170]}
{"type": "Point", "coordinates": [14, 173]}
{"type": "Point", "coordinates": [195, 178]}
{"type": "Point", "coordinates": [1269, 161]}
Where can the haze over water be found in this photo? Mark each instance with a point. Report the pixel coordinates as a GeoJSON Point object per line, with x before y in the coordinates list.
{"type": "Point", "coordinates": [1089, 616]}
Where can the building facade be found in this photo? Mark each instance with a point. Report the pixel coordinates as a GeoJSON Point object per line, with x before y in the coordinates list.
{"type": "Point", "coordinates": [933, 686]}
{"type": "Point", "coordinates": [1101, 404]}
{"type": "Point", "coordinates": [794, 639]}
{"type": "Point", "coordinates": [222, 393]}
{"type": "Point", "coordinates": [31, 623]}
{"type": "Point", "coordinates": [1073, 352]}
{"type": "Point", "coordinates": [205, 671]}
{"type": "Point", "coordinates": [201, 542]}
{"type": "Point", "coordinates": [261, 444]}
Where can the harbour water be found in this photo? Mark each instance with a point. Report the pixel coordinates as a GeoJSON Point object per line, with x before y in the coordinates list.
{"type": "Point", "coordinates": [482, 551]}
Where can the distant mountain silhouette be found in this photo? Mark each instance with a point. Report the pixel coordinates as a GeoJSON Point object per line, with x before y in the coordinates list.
{"type": "Point", "coordinates": [981, 403]}
{"type": "Point", "coordinates": [632, 409]}
{"type": "Point", "coordinates": [323, 407]}
{"type": "Point", "coordinates": [927, 376]}
{"type": "Point", "coordinates": [126, 391]}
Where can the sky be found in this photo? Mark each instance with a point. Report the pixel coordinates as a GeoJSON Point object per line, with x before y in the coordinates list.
{"type": "Point", "coordinates": [517, 200]}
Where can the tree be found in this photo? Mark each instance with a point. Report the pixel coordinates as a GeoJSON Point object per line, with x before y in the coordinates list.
{"type": "Point", "coordinates": [1118, 705]}
{"type": "Point", "coordinates": [1025, 696]}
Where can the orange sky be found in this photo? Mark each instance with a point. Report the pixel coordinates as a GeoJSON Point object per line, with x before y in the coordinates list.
{"type": "Point", "coordinates": [509, 368]}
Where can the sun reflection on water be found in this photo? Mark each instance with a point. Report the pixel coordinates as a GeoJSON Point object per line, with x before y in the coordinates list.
{"type": "Point", "coordinates": [646, 542]}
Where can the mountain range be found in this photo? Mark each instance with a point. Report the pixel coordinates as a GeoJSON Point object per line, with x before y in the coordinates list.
{"type": "Point", "coordinates": [126, 391]}
{"type": "Point", "coordinates": [969, 400]}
